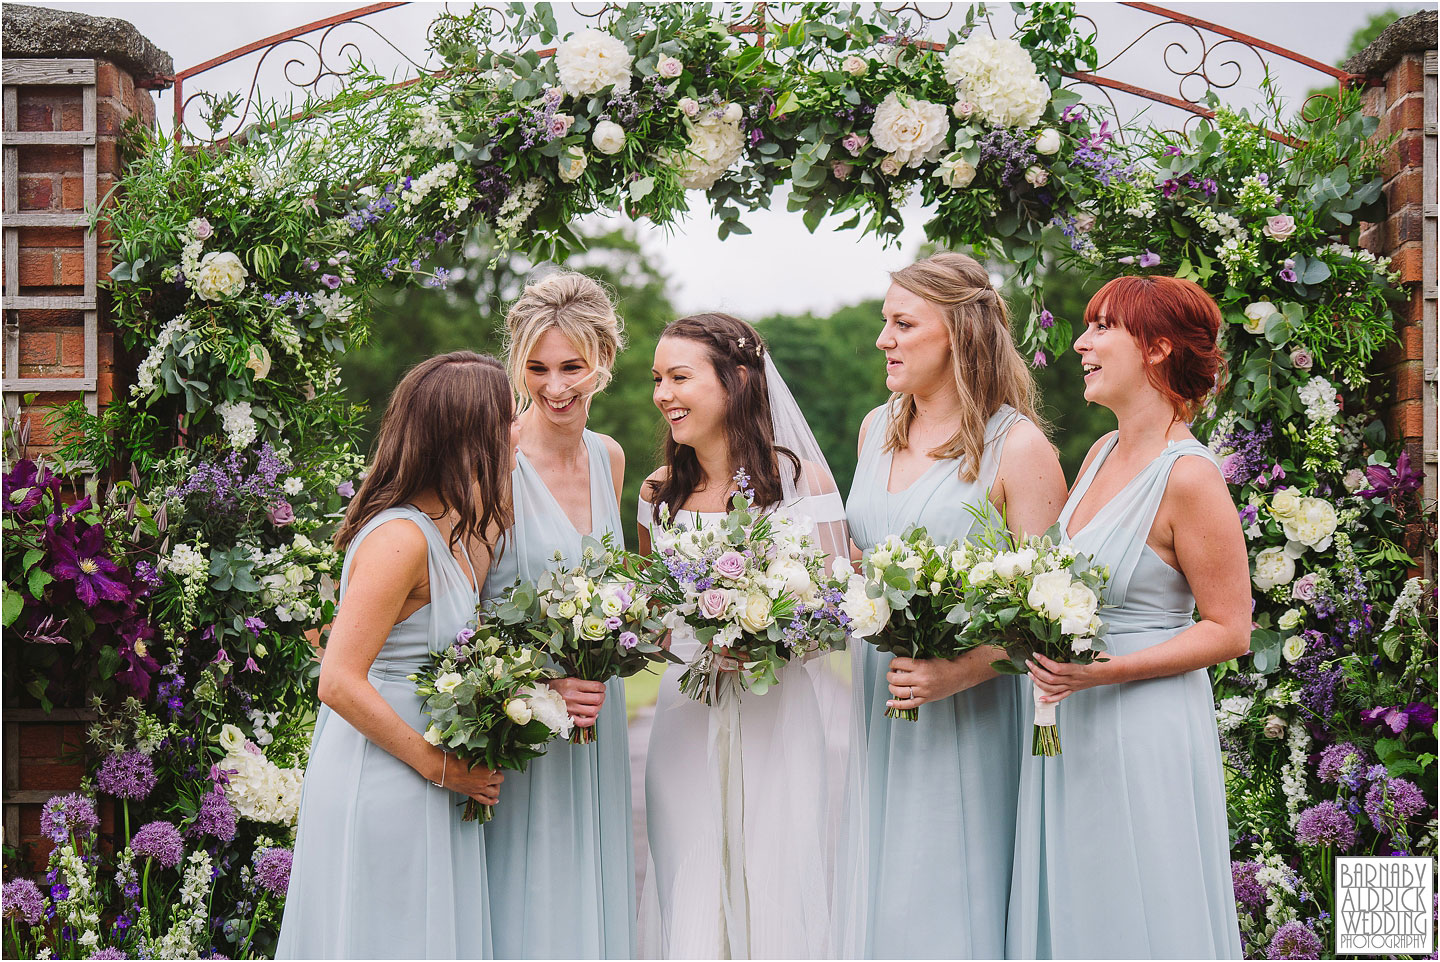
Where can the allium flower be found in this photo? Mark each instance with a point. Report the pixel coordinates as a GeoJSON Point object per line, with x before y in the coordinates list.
{"type": "Point", "coordinates": [127, 775]}
{"type": "Point", "coordinates": [22, 899]}
{"type": "Point", "coordinates": [85, 560]}
{"type": "Point", "coordinates": [1249, 892]}
{"type": "Point", "coordinates": [1326, 824]}
{"type": "Point", "coordinates": [910, 130]}
{"type": "Point", "coordinates": [161, 841]}
{"type": "Point", "coordinates": [1294, 941]}
{"type": "Point", "coordinates": [272, 869]}
{"type": "Point", "coordinates": [67, 814]}
{"type": "Point", "coordinates": [216, 817]}
{"type": "Point", "coordinates": [592, 60]}
{"type": "Point", "coordinates": [1405, 802]}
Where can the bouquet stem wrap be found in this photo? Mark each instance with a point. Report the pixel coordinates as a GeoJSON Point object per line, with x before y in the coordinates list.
{"type": "Point", "coordinates": [1046, 737]}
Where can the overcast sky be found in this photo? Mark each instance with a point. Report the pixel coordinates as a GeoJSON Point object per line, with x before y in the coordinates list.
{"type": "Point", "coordinates": [781, 266]}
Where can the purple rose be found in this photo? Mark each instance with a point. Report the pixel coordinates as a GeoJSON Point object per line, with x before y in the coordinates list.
{"type": "Point", "coordinates": [282, 514]}
{"type": "Point", "coordinates": [200, 229]}
{"type": "Point", "coordinates": [1305, 588]}
{"type": "Point", "coordinates": [714, 602]}
{"type": "Point", "coordinates": [854, 143]}
{"type": "Point", "coordinates": [731, 564]}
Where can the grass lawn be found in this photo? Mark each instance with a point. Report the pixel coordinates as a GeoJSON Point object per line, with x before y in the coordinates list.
{"type": "Point", "coordinates": [641, 690]}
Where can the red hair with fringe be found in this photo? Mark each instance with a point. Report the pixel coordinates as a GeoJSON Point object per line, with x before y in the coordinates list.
{"type": "Point", "coordinates": [1179, 312]}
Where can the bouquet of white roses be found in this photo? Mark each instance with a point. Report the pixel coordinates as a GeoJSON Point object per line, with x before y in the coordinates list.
{"type": "Point", "coordinates": [489, 704]}
{"type": "Point", "coordinates": [1035, 595]}
{"type": "Point", "coordinates": [593, 620]}
{"type": "Point", "coordinates": [907, 600]}
{"type": "Point", "coordinates": [754, 584]}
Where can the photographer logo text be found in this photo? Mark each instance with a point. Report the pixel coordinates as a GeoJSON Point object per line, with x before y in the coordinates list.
{"type": "Point", "coordinates": [1384, 905]}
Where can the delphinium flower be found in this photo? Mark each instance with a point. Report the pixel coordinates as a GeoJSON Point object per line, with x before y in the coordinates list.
{"type": "Point", "coordinates": [272, 869]}
{"type": "Point", "coordinates": [127, 775]}
{"type": "Point", "coordinates": [22, 899]}
{"type": "Point", "coordinates": [65, 815]}
{"type": "Point", "coordinates": [216, 817]}
{"type": "Point", "coordinates": [161, 841]}
{"type": "Point", "coordinates": [1326, 824]}
{"type": "Point", "coordinates": [108, 953]}
{"type": "Point", "coordinates": [1391, 802]}
{"type": "Point", "coordinates": [1104, 166]}
{"type": "Point", "coordinates": [1294, 941]}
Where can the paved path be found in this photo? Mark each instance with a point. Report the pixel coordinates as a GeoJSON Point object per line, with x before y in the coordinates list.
{"type": "Point", "coordinates": [639, 745]}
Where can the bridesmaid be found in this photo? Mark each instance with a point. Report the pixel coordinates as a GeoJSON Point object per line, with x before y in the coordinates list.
{"type": "Point", "coordinates": [384, 867]}
{"type": "Point", "coordinates": [1123, 849]}
{"type": "Point", "coordinates": [960, 424]}
{"type": "Point", "coordinates": [561, 858]}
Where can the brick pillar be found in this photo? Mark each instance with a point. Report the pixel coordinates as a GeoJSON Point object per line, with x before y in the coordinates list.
{"type": "Point", "coordinates": [57, 67]}
{"type": "Point", "coordinates": [1402, 66]}
{"type": "Point", "coordinates": [51, 179]}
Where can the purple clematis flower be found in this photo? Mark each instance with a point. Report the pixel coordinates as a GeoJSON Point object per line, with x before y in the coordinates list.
{"type": "Point", "coordinates": [1399, 717]}
{"type": "Point", "coordinates": [85, 561]}
{"type": "Point", "coordinates": [25, 485]}
{"type": "Point", "coordinates": [1392, 484]}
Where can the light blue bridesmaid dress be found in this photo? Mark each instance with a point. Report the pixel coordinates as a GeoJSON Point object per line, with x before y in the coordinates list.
{"type": "Point", "coordinates": [560, 849]}
{"type": "Point", "coordinates": [1122, 846]}
{"type": "Point", "coordinates": [941, 790]}
{"type": "Point", "coordinates": [384, 867]}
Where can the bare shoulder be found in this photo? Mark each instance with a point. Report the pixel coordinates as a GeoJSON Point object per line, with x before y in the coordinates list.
{"type": "Point", "coordinates": [1094, 450]}
{"type": "Point", "coordinates": [1195, 479]}
{"type": "Point", "coordinates": [617, 455]}
{"type": "Point", "coordinates": [396, 545]}
{"type": "Point", "coordinates": [1027, 440]}
{"type": "Point", "coordinates": [658, 476]}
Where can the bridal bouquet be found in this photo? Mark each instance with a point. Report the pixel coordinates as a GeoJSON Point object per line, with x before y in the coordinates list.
{"type": "Point", "coordinates": [1031, 596]}
{"type": "Point", "coordinates": [489, 704]}
{"type": "Point", "coordinates": [752, 584]}
{"type": "Point", "coordinates": [906, 600]}
{"type": "Point", "coordinates": [593, 620]}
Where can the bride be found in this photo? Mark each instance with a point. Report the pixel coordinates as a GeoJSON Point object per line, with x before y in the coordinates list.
{"type": "Point", "coordinates": [741, 797]}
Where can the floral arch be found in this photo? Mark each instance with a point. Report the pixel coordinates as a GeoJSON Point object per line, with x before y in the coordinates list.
{"type": "Point", "coordinates": [188, 598]}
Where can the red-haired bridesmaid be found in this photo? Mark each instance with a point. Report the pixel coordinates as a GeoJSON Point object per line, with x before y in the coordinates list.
{"type": "Point", "coordinates": [1122, 848]}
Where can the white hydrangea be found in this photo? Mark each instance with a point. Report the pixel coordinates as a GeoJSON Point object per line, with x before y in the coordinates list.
{"type": "Point", "coordinates": [260, 790]}
{"type": "Point", "coordinates": [998, 77]}
{"type": "Point", "coordinates": [237, 423]}
{"type": "Point", "coordinates": [592, 60]}
{"type": "Point", "coordinates": [911, 131]}
{"type": "Point", "coordinates": [716, 142]}
{"type": "Point", "coordinates": [1319, 397]}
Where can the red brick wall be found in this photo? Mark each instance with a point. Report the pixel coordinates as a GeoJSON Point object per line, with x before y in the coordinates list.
{"type": "Point", "coordinates": [51, 260]}
{"type": "Point", "coordinates": [1400, 104]}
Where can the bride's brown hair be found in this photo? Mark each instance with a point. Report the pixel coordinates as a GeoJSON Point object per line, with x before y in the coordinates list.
{"type": "Point", "coordinates": [737, 353]}
{"type": "Point", "coordinates": [446, 430]}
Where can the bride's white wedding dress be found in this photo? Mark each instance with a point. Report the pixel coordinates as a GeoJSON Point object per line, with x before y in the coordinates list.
{"type": "Point", "coordinates": [741, 800]}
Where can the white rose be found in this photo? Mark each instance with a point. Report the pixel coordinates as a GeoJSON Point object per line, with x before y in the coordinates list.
{"type": "Point", "coordinates": [867, 615]}
{"type": "Point", "coordinates": [258, 361]}
{"type": "Point", "coordinates": [231, 739]}
{"type": "Point", "coordinates": [1275, 727]}
{"type": "Point", "coordinates": [609, 137]}
{"type": "Point", "coordinates": [448, 682]}
{"type": "Point", "coordinates": [434, 735]}
{"type": "Point", "coordinates": [689, 106]}
{"type": "Point", "coordinates": [1290, 619]}
{"type": "Point", "coordinates": [220, 275]}
{"type": "Point", "coordinates": [1047, 593]}
{"type": "Point", "coordinates": [590, 61]}
{"type": "Point", "coordinates": [1085, 222]}
{"type": "Point", "coordinates": [963, 109]}
{"type": "Point", "coordinates": [518, 711]}
{"type": "Point", "coordinates": [1037, 176]}
{"type": "Point", "coordinates": [982, 573]}
{"type": "Point", "coordinates": [592, 628]}
{"type": "Point", "coordinates": [1081, 607]}
{"type": "Point", "coordinates": [1047, 142]}
{"type": "Point", "coordinates": [795, 578]}
{"type": "Point", "coordinates": [1285, 503]}
{"type": "Point", "coordinates": [1273, 567]}
{"type": "Point", "coordinates": [567, 609]}
{"type": "Point", "coordinates": [1355, 480]}
{"type": "Point", "coordinates": [913, 131]}
{"type": "Point", "coordinates": [669, 67]}
{"type": "Point", "coordinates": [1256, 313]}
{"type": "Point", "coordinates": [572, 164]}
{"type": "Point", "coordinates": [1294, 648]}
{"type": "Point", "coordinates": [733, 114]}
{"type": "Point", "coordinates": [755, 614]}
{"type": "Point", "coordinates": [890, 165]}
{"type": "Point", "coordinates": [955, 171]}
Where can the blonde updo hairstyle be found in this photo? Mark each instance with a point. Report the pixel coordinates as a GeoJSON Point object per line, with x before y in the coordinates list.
{"type": "Point", "coordinates": [582, 311]}
{"type": "Point", "coordinates": [987, 367]}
